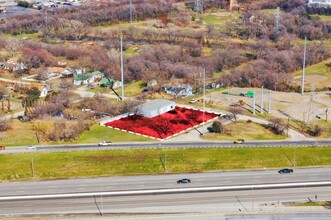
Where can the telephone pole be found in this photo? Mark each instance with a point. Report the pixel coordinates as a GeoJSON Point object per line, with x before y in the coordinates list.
{"type": "Point", "coordinates": [122, 71]}
{"type": "Point", "coordinates": [261, 110]}
{"type": "Point", "coordinates": [131, 11]}
{"type": "Point", "coordinates": [303, 68]}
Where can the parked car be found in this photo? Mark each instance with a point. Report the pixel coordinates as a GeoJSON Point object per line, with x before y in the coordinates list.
{"type": "Point", "coordinates": [2, 148]}
{"type": "Point", "coordinates": [193, 101]}
{"type": "Point", "coordinates": [105, 143]}
{"type": "Point", "coordinates": [183, 181]}
{"type": "Point", "coordinates": [31, 147]}
{"type": "Point", "coordinates": [239, 141]}
{"type": "Point", "coordinates": [284, 171]}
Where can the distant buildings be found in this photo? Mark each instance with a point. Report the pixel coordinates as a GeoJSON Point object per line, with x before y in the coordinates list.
{"type": "Point", "coordinates": [320, 3]}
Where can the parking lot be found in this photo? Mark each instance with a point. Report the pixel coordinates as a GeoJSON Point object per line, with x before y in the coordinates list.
{"type": "Point", "coordinates": [15, 11]}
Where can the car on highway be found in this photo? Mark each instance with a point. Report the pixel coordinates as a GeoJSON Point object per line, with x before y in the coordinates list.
{"type": "Point", "coordinates": [31, 147]}
{"type": "Point", "coordinates": [105, 143]}
{"type": "Point", "coordinates": [181, 181]}
{"type": "Point", "coordinates": [284, 171]}
{"type": "Point", "coordinates": [2, 148]}
{"type": "Point", "coordinates": [239, 141]}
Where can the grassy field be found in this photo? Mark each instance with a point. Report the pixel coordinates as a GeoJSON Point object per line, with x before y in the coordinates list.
{"type": "Point", "coordinates": [21, 133]}
{"type": "Point", "coordinates": [132, 89]}
{"type": "Point", "coordinates": [219, 18]}
{"type": "Point", "coordinates": [133, 162]}
{"type": "Point", "coordinates": [101, 133]}
{"type": "Point", "coordinates": [316, 69]}
{"type": "Point", "coordinates": [327, 204]}
{"type": "Point", "coordinates": [252, 131]}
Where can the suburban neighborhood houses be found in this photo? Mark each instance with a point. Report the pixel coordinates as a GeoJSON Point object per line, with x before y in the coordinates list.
{"type": "Point", "coordinates": [174, 109]}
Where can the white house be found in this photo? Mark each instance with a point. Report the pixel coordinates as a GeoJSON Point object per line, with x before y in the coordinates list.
{"type": "Point", "coordinates": [155, 107]}
{"type": "Point", "coordinates": [179, 89]}
{"type": "Point", "coordinates": [44, 92]}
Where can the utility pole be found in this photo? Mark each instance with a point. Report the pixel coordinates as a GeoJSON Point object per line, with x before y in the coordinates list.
{"type": "Point", "coordinates": [261, 111]}
{"type": "Point", "coordinates": [204, 101]}
{"type": "Point", "coordinates": [131, 11]}
{"type": "Point", "coordinates": [269, 102]}
{"type": "Point", "coordinates": [254, 102]}
{"type": "Point", "coordinates": [326, 115]}
{"type": "Point", "coordinates": [122, 71]}
{"type": "Point", "coordinates": [303, 68]}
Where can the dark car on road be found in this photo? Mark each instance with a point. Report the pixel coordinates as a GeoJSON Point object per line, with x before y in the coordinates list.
{"type": "Point", "coordinates": [183, 181]}
{"type": "Point", "coordinates": [283, 171]}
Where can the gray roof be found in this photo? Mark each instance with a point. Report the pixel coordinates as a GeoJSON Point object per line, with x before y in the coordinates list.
{"type": "Point", "coordinates": [156, 104]}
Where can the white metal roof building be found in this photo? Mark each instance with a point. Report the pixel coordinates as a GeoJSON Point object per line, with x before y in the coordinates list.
{"type": "Point", "coordinates": [326, 3]}
{"type": "Point", "coordinates": [155, 107]}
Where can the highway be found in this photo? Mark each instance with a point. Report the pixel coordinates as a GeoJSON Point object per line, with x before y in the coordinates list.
{"type": "Point", "coordinates": [198, 202]}
{"type": "Point", "coordinates": [164, 144]}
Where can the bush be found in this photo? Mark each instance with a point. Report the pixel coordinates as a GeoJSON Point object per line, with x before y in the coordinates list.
{"type": "Point", "coordinates": [24, 4]}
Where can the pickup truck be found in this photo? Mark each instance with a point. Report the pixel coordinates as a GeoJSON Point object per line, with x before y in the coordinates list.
{"type": "Point", "coordinates": [105, 143]}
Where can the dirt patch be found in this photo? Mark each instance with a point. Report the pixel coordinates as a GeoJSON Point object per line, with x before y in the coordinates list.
{"type": "Point", "coordinates": [284, 105]}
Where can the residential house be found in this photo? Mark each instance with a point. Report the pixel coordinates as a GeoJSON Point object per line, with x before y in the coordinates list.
{"type": "Point", "coordinates": [152, 83]}
{"type": "Point", "coordinates": [95, 76]}
{"type": "Point", "coordinates": [13, 66]}
{"type": "Point", "coordinates": [179, 89]}
{"type": "Point", "coordinates": [105, 82]}
{"type": "Point", "coordinates": [44, 92]}
{"type": "Point", "coordinates": [81, 79]}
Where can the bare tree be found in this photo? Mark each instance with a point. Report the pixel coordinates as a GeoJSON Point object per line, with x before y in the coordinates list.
{"type": "Point", "coordinates": [235, 111]}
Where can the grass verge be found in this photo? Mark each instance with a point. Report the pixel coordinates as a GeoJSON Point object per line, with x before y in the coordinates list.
{"type": "Point", "coordinates": [252, 131]}
{"type": "Point", "coordinates": [131, 162]}
{"type": "Point", "coordinates": [101, 133]}
{"type": "Point", "coordinates": [325, 204]}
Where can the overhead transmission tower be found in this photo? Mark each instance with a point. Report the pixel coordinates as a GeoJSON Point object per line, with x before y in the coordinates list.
{"type": "Point", "coordinates": [198, 6]}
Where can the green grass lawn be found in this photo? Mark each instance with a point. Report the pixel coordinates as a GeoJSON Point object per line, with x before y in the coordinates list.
{"type": "Point", "coordinates": [325, 17]}
{"type": "Point", "coordinates": [252, 131]}
{"type": "Point", "coordinates": [132, 89]}
{"type": "Point", "coordinates": [219, 19]}
{"type": "Point", "coordinates": [327, 204]}
{"type": "Point", "coordinates": [316, 69]}
{"type": "Point", "coordinates": [132, 162]}
{"type": "Point", "coordinates": [99, 133]}
{"type": "Point", "coordinates": [131, 51]}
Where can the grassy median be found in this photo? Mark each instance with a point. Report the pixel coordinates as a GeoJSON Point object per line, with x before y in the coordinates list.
{"type": "Point", "coordinates": [158, 161]}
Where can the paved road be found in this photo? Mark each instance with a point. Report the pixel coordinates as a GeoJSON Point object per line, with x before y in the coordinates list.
{"type": "Point", "coordinates": [191, 205]}
{"type": "Point", "coordinates": [188, 203]}
{"type": "Point", "coordinates": [159, 145]}
{"type": "Point", "coordinates": [164, 181]}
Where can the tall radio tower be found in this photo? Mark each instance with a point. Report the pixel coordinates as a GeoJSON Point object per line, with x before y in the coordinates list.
{"type": "Point", "coordinates": [198, 6]}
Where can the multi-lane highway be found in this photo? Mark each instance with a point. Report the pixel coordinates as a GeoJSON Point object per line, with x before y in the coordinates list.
{"type": "Point", "coordinates": [198, 202]}
{"type": "Point", "coordinates": [154, 145]}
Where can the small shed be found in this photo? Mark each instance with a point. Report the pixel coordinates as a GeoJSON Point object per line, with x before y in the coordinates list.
{"type": "Point", "coordinates": [155, 107]}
